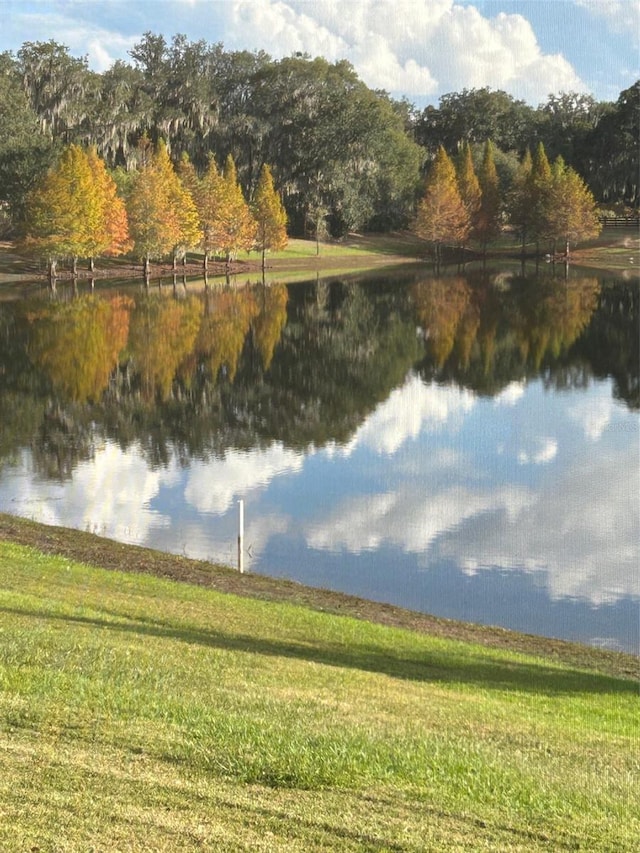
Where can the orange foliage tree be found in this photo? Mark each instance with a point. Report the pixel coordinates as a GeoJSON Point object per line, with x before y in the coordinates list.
{"type": "Point", "coordinates": [111, 236]}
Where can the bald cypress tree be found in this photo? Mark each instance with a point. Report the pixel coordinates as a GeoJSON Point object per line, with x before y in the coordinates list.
{"type": "Point", "coordinates": [442, 216]}
{"type": "Point", "coordinates": [519, 199]}
{"type": "Point", "coordinates": [269, 215]}
{"type": "Point", "coordinates": [572, 213]}
{"type": "Point", "coordinates": [239, 227]}
{"type": "Point", "coordinates": [64, 212]}
{"type": "Point", "coordinates": [540, 194]}
{"type": "Point", "coordinates": [487, 223]}
{"type": "Point", "coordinates": [468, 185]}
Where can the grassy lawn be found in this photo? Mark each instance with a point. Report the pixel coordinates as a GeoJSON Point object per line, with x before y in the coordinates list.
{"type": "Point", "coordinates": [142, 714]}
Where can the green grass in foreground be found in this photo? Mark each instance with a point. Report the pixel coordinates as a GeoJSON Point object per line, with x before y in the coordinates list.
{"type": "Point", "coordinates": [139, 714]}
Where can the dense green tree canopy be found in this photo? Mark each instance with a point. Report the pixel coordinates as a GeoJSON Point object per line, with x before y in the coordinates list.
{"type": "Point", "coordinates": [341, 154]}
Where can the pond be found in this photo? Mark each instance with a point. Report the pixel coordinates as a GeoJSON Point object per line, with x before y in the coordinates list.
{"type": "Point", "coordinates": [465, 445]}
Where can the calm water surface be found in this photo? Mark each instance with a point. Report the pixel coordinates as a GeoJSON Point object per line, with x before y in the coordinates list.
{"type": "Point", "coordinates": [466, 445]}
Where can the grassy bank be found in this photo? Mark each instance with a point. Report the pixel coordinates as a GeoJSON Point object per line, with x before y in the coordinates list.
{"type": "Point", "coordinates": [615, 249]}
{"type": "Point", "coordinates": [138, 713]}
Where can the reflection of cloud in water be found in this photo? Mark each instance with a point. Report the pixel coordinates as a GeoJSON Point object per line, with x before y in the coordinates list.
{"type": "Point", "coordinates": [510, 395]}
{"type": "Point", "coordinates": [581, 532]}
{"type": "Point", "coordinates": [593, 414]}
{"type": "Point", "coordinates": [409, 519]}
{"type": "Point", "coordinates": [213, 486]}
{"type": "Point", "coordinates": [546, 451]}
{"type": "Point", "coordinates": [109, 495]}
{"type": "Point", "coordinates": [410, 410]}
{"type": "Point", "coordinates": [196, 538]}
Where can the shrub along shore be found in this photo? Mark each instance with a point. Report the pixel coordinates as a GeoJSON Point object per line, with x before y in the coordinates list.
{"type": "Point", "coordinates": [168, 704]}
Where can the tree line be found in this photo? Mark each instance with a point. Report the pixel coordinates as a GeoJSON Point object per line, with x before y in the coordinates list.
{"type": "Point", "coordinates": [342, 156]}
{"type": "Point", "coordinates": [80, 210]}
{"type": "Point", "coordinates": [544, 203]}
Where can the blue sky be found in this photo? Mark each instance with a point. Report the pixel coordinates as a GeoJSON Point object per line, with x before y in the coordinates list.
{"type": "Point", "coordinates": [417, 48]}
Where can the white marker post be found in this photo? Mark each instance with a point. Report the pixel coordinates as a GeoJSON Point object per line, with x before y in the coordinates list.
{"type": "Point", "coordinates": [240, 536]}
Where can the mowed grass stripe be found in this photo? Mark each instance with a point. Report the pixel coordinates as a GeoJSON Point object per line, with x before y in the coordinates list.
{"type": "Point", "coordinates": [142, 714]}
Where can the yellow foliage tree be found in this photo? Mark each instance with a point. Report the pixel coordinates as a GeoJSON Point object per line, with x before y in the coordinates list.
{"type": "Point", "coordinates": [238, 225]}
{"type": "Point", "coordinates": [162, 215]}
{"type": "Point", "coordinates": [269, 215]}
{"type": "Point", "coordinates": [442, 215]}
{"type": "Point", "coordinates": [210, 204]}
{"type": "Point", "coordinates": [572, 213]}
{"type": "Point", "coordinates": [487, 223]}
{"type": "Point", "coordinates": [64, 211]}
{"type": "Point", "coordinates": [468, 184]}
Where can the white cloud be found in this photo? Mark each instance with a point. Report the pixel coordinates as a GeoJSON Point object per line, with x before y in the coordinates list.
{"type": "Point", "coordinates": [592, 414]}
{"type": "Point", "coordinates": [580, 532]}
{"type": "Point", "coordinates": [407, 518]}
{"type": "Point", "coordinates": [416, 48]}
{"type": "Point", "coordinates": [419, 48]}
{"type": "Point", "coordinates": [621, 16]}
{"type": "Point", "coordinates": [510, 395]}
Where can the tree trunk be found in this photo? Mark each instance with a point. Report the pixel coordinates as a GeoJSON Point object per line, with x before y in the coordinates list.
{"type": "Point", "coordinates": [74, 266]}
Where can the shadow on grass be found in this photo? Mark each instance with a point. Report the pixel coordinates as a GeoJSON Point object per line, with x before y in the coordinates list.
{"type": "Point", "coordinates": [490, 671]}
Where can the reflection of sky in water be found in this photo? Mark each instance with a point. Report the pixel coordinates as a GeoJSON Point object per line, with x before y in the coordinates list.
{"type": "Point", "coordinates": [520, 510]}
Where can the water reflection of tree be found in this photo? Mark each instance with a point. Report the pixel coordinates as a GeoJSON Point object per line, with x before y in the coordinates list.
{"type": "Point", "coordinates": [224, 329]}
{"type": "Point", "coordinates": [341, 354]}
{"type": "Point", "coordinates": [193, 376]}
{"type": "Point", "coordinates": [483, 331]}
{"type": "Point", "coordinates": [611, 345]}
{"type": "Point", "coordinates": [64, 438]}
{"type": "Point", "coordinates": [77, 344]}
{"type": "Point", "coordinates": [162, 335]}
